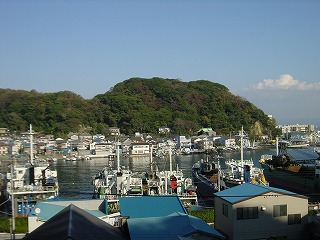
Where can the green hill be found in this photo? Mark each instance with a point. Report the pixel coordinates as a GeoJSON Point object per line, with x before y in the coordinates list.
{"type": "Point", "coordinates": [136, 104]}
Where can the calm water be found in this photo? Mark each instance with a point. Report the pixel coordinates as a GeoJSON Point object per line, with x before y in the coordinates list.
{"type": "Point", "coordinates": [75, 176]}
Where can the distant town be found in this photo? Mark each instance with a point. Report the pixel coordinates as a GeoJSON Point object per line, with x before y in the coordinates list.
{"type": "Point", "coordinates": [98, 145]}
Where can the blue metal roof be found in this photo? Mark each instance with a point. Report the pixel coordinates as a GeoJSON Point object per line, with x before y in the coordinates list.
{"type": "Point", "coordinates": [248, 190]}
{"type": "Point", "coordinates": [150, 206]}
{"type": "Point", "coordinates": [46, 210]}
{"type": "Point", "coordinates": [173, 226]}
{"type": "Point", "coordinates": [50, 208]}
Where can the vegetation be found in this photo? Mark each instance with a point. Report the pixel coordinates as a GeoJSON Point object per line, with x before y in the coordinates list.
{"type": "Point", "coordinates": [21, 225]}
{"type": "Point", "coordinates": [206, 215]}
{"type": "Point", "coordinates": [136, 104]}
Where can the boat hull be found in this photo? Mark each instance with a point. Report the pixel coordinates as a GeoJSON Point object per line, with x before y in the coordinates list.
{"type": "Point", "coordinates": [205, 188]}
{"type": "Point", "coordinates": [302, 182]}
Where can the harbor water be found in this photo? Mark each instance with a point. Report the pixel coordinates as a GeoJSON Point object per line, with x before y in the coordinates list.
{"type": "Point", "coordinates": [75, 177]}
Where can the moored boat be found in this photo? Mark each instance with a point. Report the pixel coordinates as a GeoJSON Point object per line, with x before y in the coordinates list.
{"type": "Point", "coordinates": [30, 181]}
{"type": "Point", "coordinates": [210, 177]}
{"type": "Point", "coordinates": [300, 176]}
{"type": "Point", "coordinates": [207, 177]}
{"type": "Point", "coordinates": [242, 171]}
{"type": "Point", "coordinates": [111, 183]}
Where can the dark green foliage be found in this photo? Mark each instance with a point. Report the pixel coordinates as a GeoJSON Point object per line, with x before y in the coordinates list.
{"type": "Point", "coordinates": [136, 104]}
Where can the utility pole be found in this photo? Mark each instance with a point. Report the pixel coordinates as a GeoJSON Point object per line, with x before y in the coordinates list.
{"type": "Point", "coordinates": [13, 205]}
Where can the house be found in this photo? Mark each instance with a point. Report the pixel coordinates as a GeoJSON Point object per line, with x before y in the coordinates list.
{"type": "Point", "coordinates": [45, 210]}
{"type": "Point", "coordinates": [140, 148]}
{"type": "Point", "coordinates": [251, 211]}
{"type": "Point", "coordinates": [74, 223]}
{"type": "Point", "coordinates": [5, 148]}
{"type": "Point", "coordinates": [183, 142]}
{"type": "Point", "coordinates": [207, 132]}
{"type": "Point", "coordinates": [114, 131]}
{"type": "Point", "coordinates": [164, 130]}
{"type": "Point", "coordinates": [230, 143]}
{"type": "Point", "coordinates": [204, 143]}
{"type": "Point", "coordinates": [3, 130]}
{"type": "Point", "coordinates": [102, 148]}
{"type": "Point", "coordinates": [85, 136]}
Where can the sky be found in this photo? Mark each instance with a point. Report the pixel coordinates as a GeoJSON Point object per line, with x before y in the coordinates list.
{"type": "Point", "coordinates": [267, 52]}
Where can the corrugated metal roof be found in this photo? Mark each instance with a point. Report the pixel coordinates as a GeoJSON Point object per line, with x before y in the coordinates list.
{"type": "Point", "coordinates": [173, 226]}
{"type": "Point", "coordinates": [44, 210]}
{"type": "Point", "coordinates": [150, 206]}
{"type": "Point", "coordinates": [248, 190]}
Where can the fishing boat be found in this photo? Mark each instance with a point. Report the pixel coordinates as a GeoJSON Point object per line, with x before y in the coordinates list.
{"type": "Point", "coordinates": [29, 181]}
{"type": "Point", "coordinates": [111, 183]}
{"type": "Point", "coordinates": [209, 177]}
{"type": "Point", "coordinates": [242, 171]}
{"type": "Point", "coordinates": [300, 176]}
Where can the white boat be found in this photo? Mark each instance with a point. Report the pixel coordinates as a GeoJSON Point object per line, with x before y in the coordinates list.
{"type": "Point", "coordinates": [29, 182]}
{"type": "Point", "coordinates": [111, 183]}
{"type": "Point", "coordinates": [238, 172]}
{"type": "Point", "coordinates": [242, 171]}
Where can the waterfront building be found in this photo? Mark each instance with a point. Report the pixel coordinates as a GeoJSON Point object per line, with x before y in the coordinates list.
{"type": "Point", "coordinates": [183, 142]}
{"type": "Point", "coordinates": [140, 148]}
{"type": "Point", "coordinates": [294, 128]}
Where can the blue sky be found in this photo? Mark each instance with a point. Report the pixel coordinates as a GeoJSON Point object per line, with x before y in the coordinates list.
{"type": "Point", "coordinates": [265, 51]}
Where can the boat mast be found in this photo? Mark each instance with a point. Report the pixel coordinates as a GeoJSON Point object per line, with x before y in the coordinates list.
{"type": "Point", "coordinates": [118, 157]}
{"type": "Point", "coordinates": [241, 147]}
{"type": "Point", "coordinates": [170, 160]}
{"type": "Point", "coordinates": [31, 144]}
{"type": "Point", "coordinates": [151, 159]}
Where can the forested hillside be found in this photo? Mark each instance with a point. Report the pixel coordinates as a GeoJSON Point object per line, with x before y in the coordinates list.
{"type": "Point", "coordinates": [136, 104]}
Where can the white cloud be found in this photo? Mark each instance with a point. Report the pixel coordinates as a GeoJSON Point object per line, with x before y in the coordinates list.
{"type": "Point", "coordinates": [286, 81]}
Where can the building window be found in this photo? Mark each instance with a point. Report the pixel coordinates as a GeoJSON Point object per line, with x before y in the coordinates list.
{"type": "Point", "coordinates": [294, 219]}
{"type": "Point", "coordinates": [279, 210]}
{"type": "Point", "coordinates": [225, 209]}
{"type": "Point", "coordinates": [247, 213]}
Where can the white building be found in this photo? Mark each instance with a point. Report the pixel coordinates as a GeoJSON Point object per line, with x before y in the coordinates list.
{"type": "Point", "coordinates": [140, 149]}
